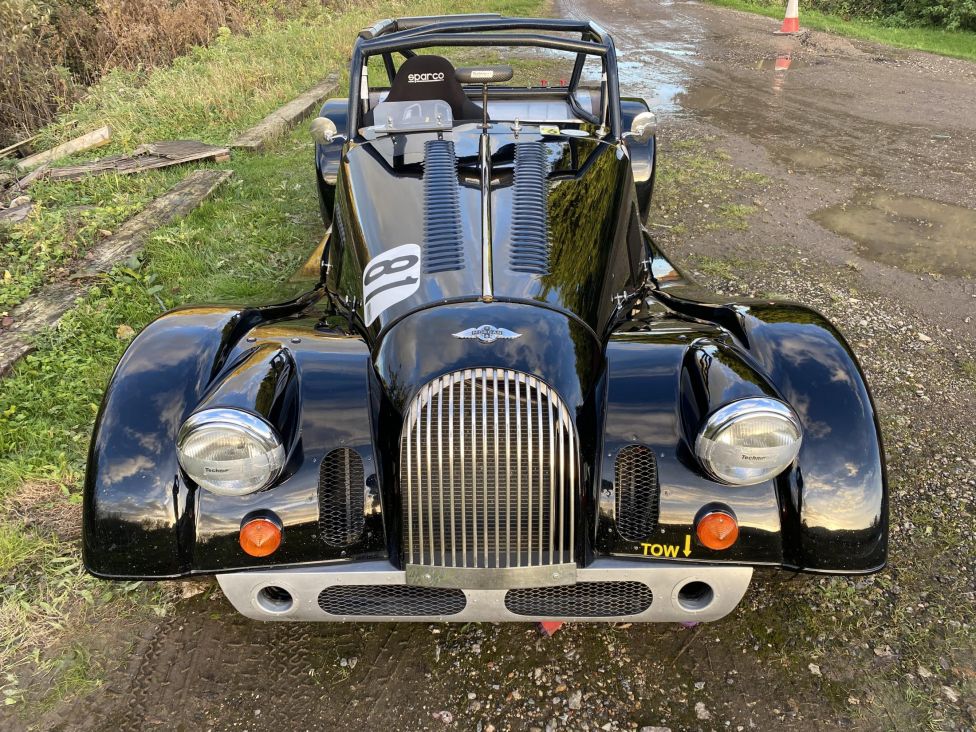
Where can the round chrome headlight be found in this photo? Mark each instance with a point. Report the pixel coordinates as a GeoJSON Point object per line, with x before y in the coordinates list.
{"type": "Point", "coordinates": [749, 441]}
{"type": "Point", "coordinates": [229, 451]}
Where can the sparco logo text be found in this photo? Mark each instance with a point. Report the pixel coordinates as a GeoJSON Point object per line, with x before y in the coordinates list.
{"type": "Point", "coordinates": [421, 78]}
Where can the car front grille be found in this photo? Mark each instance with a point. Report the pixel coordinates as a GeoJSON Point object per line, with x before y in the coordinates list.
{"type": "Point", "coordinates": [583, 600]}
{"type": "Point", "coordinates": [489, 466]}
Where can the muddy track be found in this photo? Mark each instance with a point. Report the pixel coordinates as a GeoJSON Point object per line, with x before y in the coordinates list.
{"type": "Point", "coordinates": [846, 120]}
{"type": "Point", "coordinates": [847, 125]}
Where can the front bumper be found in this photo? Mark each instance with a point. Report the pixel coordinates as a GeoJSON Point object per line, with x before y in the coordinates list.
{"type": "Point", "coordinates": [609, 590]}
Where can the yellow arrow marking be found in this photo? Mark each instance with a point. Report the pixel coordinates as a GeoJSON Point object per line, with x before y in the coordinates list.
{"type": "Point", "coordinates": [687, 550]}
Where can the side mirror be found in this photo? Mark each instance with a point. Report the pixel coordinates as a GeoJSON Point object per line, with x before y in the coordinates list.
{"type": "Point", "coordinates": [643, 127]}
{"type": "Point", "coordinates": [324, 131]}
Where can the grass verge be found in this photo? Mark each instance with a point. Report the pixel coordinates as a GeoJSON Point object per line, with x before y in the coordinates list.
{"type": "Point", "coordinates": [958, 44]}
{"type": "Point", "coordinates": [59, 628]}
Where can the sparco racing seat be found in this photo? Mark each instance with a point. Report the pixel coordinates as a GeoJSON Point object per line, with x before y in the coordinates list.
{"type": "Point", "coordinates": [430, 77]}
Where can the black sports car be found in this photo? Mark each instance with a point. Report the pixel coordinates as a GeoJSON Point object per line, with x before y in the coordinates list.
{"type": "Point", "coordinates": [497, 399]}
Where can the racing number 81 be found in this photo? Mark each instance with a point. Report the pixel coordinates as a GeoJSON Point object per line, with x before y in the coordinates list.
{"type": "Point", "coordinates": [389, 278]}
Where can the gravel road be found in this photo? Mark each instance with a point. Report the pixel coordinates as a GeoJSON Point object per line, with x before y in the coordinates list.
{"type": "Point", "coordinates": [845, 182]}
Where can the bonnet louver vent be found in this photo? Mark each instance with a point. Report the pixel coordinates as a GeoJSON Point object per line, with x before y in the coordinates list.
{"type": "Point", "coordinates": [530, 225]}
{"type": "Point", "coordinates": [442, 209]}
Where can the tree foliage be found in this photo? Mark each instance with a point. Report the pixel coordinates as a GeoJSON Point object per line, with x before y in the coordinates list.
{"type": "Point", "coordinates": [947, 14]}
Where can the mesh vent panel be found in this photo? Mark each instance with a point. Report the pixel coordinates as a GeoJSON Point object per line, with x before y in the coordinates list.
{"type": "Point", "coordinates": [583, 600]}
{"type": "Point", "coordinates": [390, 600]}
{"type": "Point", "coordinates": [341, 497]}
{"type": "Point", "coordinates": [637, 492]}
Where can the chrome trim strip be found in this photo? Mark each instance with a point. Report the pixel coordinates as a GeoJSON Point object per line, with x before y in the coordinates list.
{"type": "Point", "coordinates": [508, 474]}
{"type": "Point", "coordinates": [450, 460]}
{"type": "Point", "coordinates": [728, 583]}
{"type": "Point", "coordinates": [420, 489]}
{"type": "Point", "coordinates": [552, 483]}
{"type": "Point", "coordinates": [484, 154]}
{"type": "Point", "coordinates": [409, 472]}
{"type": "Point", "coordinates": [494, 376]}
{"type": "Point", "coordinates": [491, 578]}
{"type": "Point", "coordinates": [484, 459]}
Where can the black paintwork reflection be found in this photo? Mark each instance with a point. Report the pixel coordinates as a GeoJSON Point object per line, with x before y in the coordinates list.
{"type": "Point", "coordinates": [835, 504]}
{"type": "Point", "coordinates": [134, 501]}
{"type": "Point", "coordinates": [662, 377]}
{"type": "Point", "coordinates": [380, 201]}
{"type": "Point", "coordinates": [843, 497]}
{"type": "Point", "coordinates": [332, 373]}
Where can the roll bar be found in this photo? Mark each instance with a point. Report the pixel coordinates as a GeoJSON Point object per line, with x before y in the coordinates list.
{"type": "Point", "coordinates": [403, 35]}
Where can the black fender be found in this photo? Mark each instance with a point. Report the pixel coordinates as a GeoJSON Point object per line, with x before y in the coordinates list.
{"type": "Point", "coordinates": [136, 514]}
{"type": "Point", "coordinates": [328, 157]}
{"type": "Point", "coordinates": [837, 502]}
{"type": "Point", "coordinates": [664, 377]}
{"type": "Point", "coordinates": [643, 161]}
{"type": "Point", "coordinates": [834, 506]}
{"type": "Point", "coordinates": [142, 518]}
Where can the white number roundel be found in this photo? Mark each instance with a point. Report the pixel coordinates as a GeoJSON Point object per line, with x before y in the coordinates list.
{"type": "Point", "coordinates": [390, 277]}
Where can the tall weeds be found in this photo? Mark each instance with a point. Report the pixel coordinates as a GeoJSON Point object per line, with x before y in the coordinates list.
{"type": "Point", "coordinates": [51, 50]}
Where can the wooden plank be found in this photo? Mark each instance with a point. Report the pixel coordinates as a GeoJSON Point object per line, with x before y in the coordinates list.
{"type": "Point", "coordinates": [15, 215]}
{"type": "Point", "coordinates": [34, 175]}
{"type": "Point", "coordinates": [177, 202]}
{"type": "Point", "coordinates": [145, 157]}
{"type": "Point", "coordinates": [88, 141]}
{"type": "Point", "coordinates": [17, 146]}
{"type": "Point", "coordinates": [17, 187]}
{"type": "Point", "coordinates": [48, 306]}
{"type": "Point", "coordinates": [285, 118]}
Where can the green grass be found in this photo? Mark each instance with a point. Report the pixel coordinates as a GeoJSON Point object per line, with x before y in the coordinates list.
{"type": "Point", "coordinates": [959, 44]}
{"type": "Point", "coordinates": [694, 183]}
{"type": "Point", "coordinates": [57, 624]}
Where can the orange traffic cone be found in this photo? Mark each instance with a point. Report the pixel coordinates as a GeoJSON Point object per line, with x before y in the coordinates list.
{"type": "Point", "coordinates": [791, 23]}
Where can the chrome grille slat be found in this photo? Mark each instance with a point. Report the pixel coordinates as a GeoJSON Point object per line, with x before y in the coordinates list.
{"type": "Point", "coordinates": [494, 377]}
{"type": "Point", "coordinates": [540, 482]}
{"type": "Point", "coordinates": [420, 491]}
{"type": "Point", "coordinates": [497, 422]}
{"type": "Point", "coordinates": [464, 525]}
{"type": "Point", "coordinates": [518, 473]}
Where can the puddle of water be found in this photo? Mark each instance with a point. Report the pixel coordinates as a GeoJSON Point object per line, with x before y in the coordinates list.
{"type": "Point", "coordinates": [703, 98]}
{"type": "Point", "coordinates": [777, 63]}
{"type": "Point", "coordinates": [655, 65]}
{"type": "Point", "coordinates": [912, 233]}
{"type": "Point", "coordinates": [653, 79]}
{"type": "Point", "coordinates": [647, 74]}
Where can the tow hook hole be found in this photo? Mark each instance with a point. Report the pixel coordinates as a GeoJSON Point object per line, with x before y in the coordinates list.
{"type": "Point", "coordinates": [275, 599]}
{"type": "Point", "coordinates": [696, 596]}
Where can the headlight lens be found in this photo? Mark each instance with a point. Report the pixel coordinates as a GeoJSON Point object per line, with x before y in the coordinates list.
{"type": "Point", "coordinates": [229, 451]}
{"type": "Point", "coordinates": [749, 441]}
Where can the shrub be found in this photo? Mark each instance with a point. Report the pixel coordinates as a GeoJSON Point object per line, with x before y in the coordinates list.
{"type": "Point", "coordinates": [54, 49]}
{"type": "Point", "coordinates": [948, 14]}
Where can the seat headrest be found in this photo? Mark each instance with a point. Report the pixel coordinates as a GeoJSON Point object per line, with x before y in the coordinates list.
{"type": "Point", "coordinates": [432, 77]}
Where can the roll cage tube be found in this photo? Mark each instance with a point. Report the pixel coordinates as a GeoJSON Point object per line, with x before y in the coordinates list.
{"type": "Point", "coordinates": [405, 34]}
